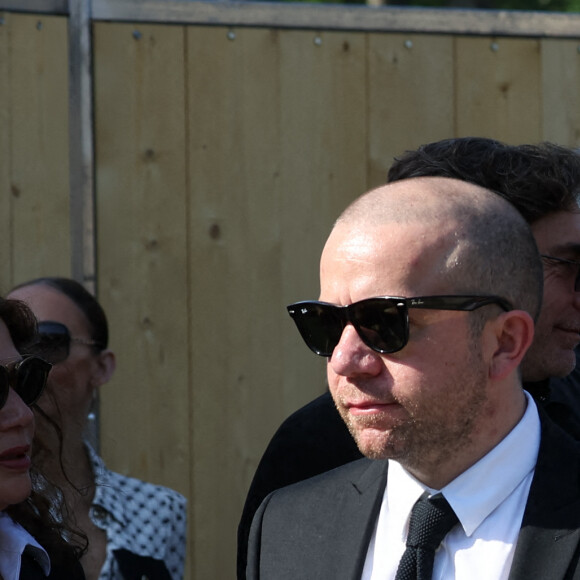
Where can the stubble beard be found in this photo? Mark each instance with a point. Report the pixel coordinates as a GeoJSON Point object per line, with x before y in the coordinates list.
{"type": "Point", "coordinates": [434, 432]}
{"type": "Point", "coordinates": [541, 362]}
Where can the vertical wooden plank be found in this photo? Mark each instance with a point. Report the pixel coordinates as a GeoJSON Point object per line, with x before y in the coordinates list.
{"type": "Point", "coordinates": [411, 96]}
{"type": "Point", "coordinates": [277, 145]}
{"type": "Point", "coordinates": [6, 261]}
{"type": "Point", "coordinates": [323, 112]}
{"type": "Point", "coordinates": [323, 103]}
{"type": "Point", "coordinates": [234, 251]}
{"type": "Point", "coordinates": [142, 276]}
{"type": "Point", "coordinates": [560, 91]}
{"type": "Point", "coordinates": [499, 87]}
{"type": "Point", "coordinates": [36, 94]}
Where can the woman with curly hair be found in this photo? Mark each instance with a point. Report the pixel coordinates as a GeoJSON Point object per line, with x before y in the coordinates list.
{"type": "Point", "coordinates": [34, 544]}
{"type": "Point", "coordinates": [135, 529]}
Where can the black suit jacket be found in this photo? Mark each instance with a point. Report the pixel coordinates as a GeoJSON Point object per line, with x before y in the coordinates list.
{"type": "Point", "coordinates": [320, 529]}
{"type": "Point", "coordinates": [132, 567]}
{"type": "Point", "coordinates": [30, 570]}
{"type": "Point", "coordinates": [135, 567]}
{"type": "Point", "coordinates": [314, 439]}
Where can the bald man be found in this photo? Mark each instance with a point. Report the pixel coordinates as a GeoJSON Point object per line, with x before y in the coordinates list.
{"type": "Point", "coordinates": [429, 288]}
{"type": "Point", "coordinates": [543, 183]}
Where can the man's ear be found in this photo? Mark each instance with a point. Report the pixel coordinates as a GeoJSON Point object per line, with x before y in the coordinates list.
{"type": "Point", "coordinates": [513, 332]}
{"type": "Point", "coordinates": [106, 363]}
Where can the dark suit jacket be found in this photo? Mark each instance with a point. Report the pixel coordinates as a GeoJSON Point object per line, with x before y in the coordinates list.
{"type": "Point", "coordinates": [312, 440]}
{"type": "Point", "coordinates": [321, 528]}
{"type": "Point", "coordinates": [132, 566]}
{"type": "Point", "coordinates": [135, 567]}
{"type": "Point", "coordinates": [30, 570]}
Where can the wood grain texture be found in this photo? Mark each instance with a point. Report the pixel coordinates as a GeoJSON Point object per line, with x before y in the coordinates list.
{"type": "Point", "coordinates": [561, 91]}
{"type": "Point", "coordinates": [7, 260]}
{"type": "Point", "coordinates": [141, 249]}
{"type": "Point", "coordinates": [223, 157]}
{"type": "Point", "coordinates": [35, 170]}
{"type": "Point", "coordinates": [411, 96]}
{"type": "Point", "coordinates": [142, 257]}
{"type": "Point", "coordinates": [269, 114]}
{"type": "Point", "coordinates": [498, 90]}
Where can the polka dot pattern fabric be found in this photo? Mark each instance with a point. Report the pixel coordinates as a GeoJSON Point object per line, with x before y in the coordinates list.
{"type": "Point", "coordinates": [146, 519]}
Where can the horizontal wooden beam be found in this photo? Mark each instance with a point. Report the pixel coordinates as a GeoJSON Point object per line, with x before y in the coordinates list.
{"type": "Point", "coordinates": [321, 16]}
{"type": "Point", "coordinates": [343, 17]}
{"type": "Point", "coordinates": [36, 6]}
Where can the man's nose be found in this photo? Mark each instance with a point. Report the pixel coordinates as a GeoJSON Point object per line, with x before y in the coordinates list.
{"type": "Point", "coordinates": [352, 356]}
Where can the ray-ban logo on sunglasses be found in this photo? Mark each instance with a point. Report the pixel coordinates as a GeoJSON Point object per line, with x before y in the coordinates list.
{"type": "Point", "coordinates": [381, 322]}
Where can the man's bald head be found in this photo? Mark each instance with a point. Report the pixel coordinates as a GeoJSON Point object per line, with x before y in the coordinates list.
{"type": "Point", "coordinates": [489, 247]}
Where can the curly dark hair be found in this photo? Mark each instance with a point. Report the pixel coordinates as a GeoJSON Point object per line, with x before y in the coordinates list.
{"type": "Point", "coordinates": [537, 179]}
{"type": "Point", "coordinates": [41, 514]}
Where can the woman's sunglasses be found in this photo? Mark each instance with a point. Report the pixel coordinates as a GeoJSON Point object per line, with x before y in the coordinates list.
{"type": "Point", "coordinates": [53, 342]}
{"type": "Point", "coordinates": [27, 377]}
{"type": "Point", "coordinates": [382, 323]}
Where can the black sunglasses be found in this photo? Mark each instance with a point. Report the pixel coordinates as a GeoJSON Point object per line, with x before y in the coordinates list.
{"type": "Point", "coordinates": [27, 377]}
{"type": "Point", "coordinates": [382, 323]}
{"type": "Point", "coordinates": [568, 263]}
{"type": "Point", "coordinates": [53, 342]}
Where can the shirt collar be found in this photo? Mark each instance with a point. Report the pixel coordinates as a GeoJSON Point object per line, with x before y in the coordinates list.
{"type": "Point", "coordinates": [491, 480]}
{"type": "Point", "coordinates": [106, 496]}
{"type": "Point", "coordinates": [14, 539]}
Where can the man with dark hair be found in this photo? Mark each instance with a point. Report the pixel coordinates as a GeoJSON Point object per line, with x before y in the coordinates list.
{"type": "Point", "coordinates": [428, 290]}
{"type": "Point", "coordinates": [543, 183]}
{"type": "Point", "coordinates": [537, 179]}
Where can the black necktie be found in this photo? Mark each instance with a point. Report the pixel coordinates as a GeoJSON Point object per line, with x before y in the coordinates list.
{"type": "Point", "coordinates": [431, 519]}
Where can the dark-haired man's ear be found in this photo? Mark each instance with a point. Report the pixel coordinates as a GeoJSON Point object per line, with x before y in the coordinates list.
{"type": "Point", "coordinates": [512, 335]}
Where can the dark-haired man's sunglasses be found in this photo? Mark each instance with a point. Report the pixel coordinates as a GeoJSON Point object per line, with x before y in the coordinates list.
{"type": "Point", "coordinates": [53, 342]}
{"type": "Point", "coordinates": [27, 377]}
{"type": "Point", "coordinates": [570, 264]}
{"type": "Point", "coordinates": [382, 323]}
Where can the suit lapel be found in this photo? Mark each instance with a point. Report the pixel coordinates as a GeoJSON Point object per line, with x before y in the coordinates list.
{"type": "Point", "coordinates": [360, 511]}
{"type": "Point", "coordinates": [550, 533]}
{"type": "Point", "coordinates": [318, 528]}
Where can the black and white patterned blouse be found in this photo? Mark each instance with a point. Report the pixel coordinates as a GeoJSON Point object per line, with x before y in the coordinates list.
{"type": "Point", "coordinates": [143, 518]}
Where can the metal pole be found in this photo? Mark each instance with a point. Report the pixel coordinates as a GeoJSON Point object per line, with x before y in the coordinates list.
{"type": "Point", "coordinates": [81, 159]}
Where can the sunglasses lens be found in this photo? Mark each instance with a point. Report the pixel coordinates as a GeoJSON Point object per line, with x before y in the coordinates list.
{"type": "Point", "coordinates": [4, 385]}
{"type": "Point", "coordinates": [319, 324]}
{"type": "Point", "coordinates": [30, 380]}
{"type": "Point", "coordinates": [381, 324]}
{"type": "Point", "coordinates": [53, 344]}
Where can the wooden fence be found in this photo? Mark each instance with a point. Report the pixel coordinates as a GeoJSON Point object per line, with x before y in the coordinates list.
{"type": "Point", "coordinates": [187, 159]}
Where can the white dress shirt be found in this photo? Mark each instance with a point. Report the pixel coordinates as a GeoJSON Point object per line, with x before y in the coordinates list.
{"type": "Point", "coordinates": [489, 500]}
{"type": "Point", "coordinates": [13, 540]}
